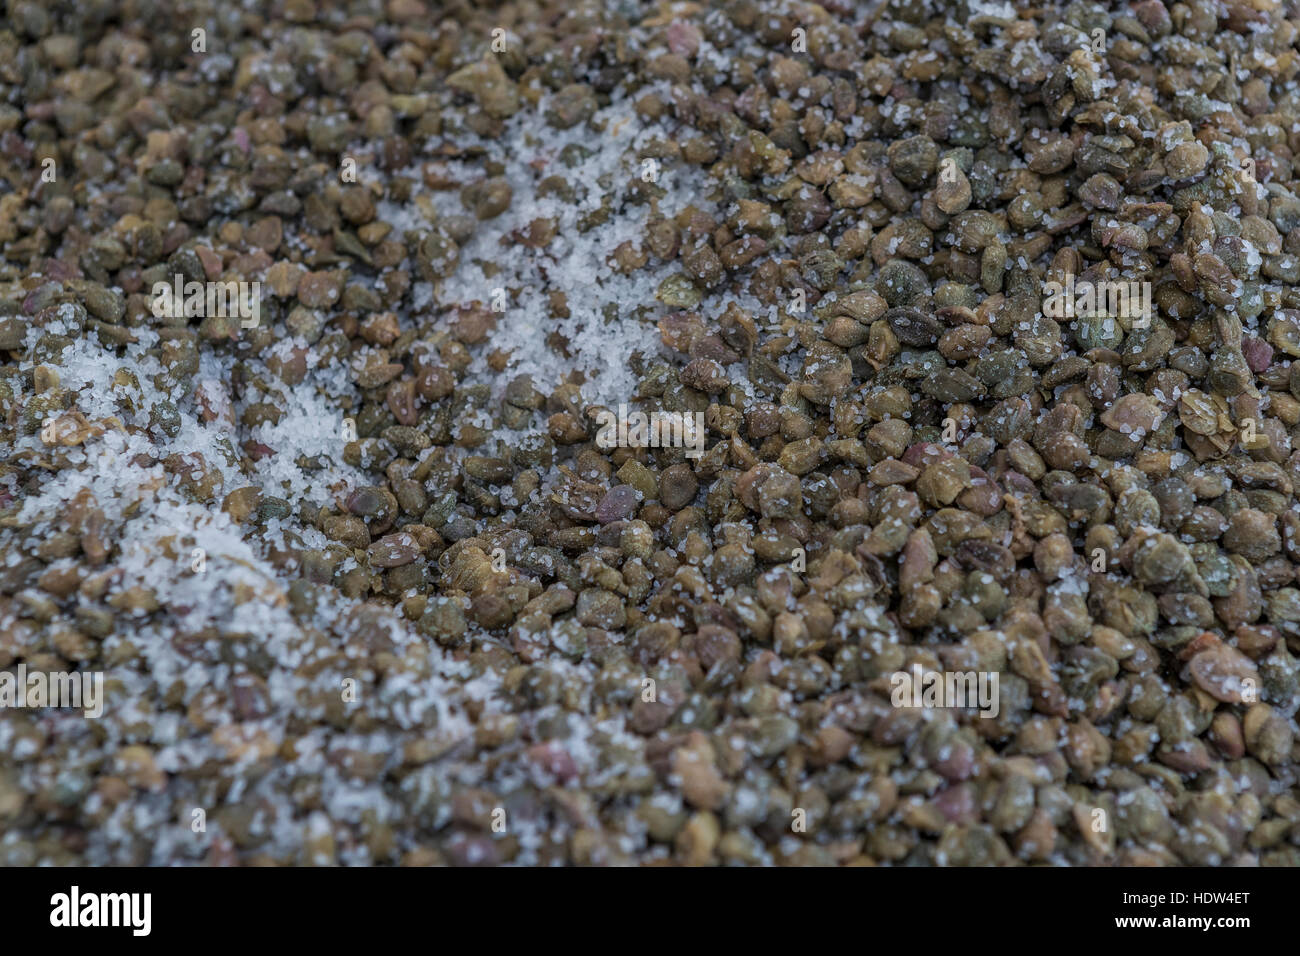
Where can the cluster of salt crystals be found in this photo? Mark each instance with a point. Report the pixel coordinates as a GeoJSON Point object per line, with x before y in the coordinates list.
{"type": "Point", "coordinates": [146, 525]}
{"type": "Point", "coordinates": [574, 262]}
{"type": "Point", "coordinates": [1001, 10]}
